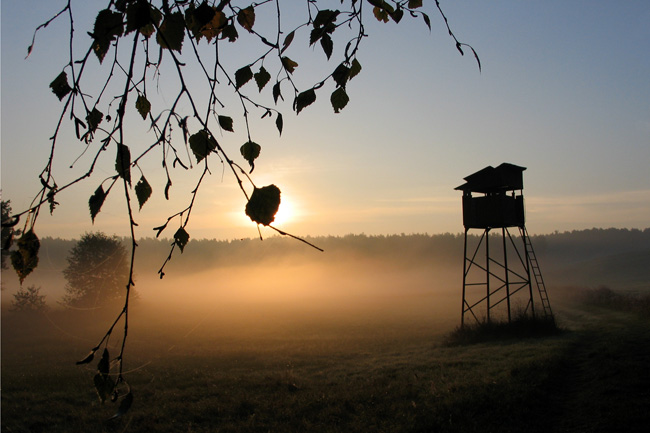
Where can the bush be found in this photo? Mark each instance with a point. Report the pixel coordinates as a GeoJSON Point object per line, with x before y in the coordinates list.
{"type": "Point", "coordinates": [607, 298]}
{"type": "Point", "coordinates": [522, 326]}
{"type": "Point", "coordinates": [28, 300]}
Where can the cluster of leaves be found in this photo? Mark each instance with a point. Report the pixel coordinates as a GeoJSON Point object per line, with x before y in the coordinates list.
{"type": "Point", "coordinates": [195, 30]}
{"type": "Point", "coordinates": [24, 259]}
{"type": "Point", "coordinates": [7, 231]}
{"type": "Point", "coordinates": [110, 386]}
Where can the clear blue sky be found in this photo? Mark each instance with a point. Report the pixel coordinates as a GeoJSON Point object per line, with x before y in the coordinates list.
{"type": "Point", "coordinates": [564, 91]}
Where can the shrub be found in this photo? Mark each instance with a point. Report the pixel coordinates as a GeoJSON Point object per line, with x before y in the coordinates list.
{"type": "Point", "coordinates": [28, 300]}
{"type": "Point", "coordinates": [607, 298]}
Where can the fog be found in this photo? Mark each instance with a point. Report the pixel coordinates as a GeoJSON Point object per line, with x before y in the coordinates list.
{"type": "Point", "coordinates": [310, 297]}
{"type": "Point", "coordinates": [378, 284]}
{"type": "Point", "coordinates": [278, 334]}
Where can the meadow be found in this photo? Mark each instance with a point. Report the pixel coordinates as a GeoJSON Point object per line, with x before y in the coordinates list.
{"type": "Point", "coordinates": [290, 371]}
{"type": "Point", "coordinates": [358, 344]}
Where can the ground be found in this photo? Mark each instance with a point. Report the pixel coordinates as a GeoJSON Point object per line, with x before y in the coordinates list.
{"type": "Point", "coordinates": [290, 372]}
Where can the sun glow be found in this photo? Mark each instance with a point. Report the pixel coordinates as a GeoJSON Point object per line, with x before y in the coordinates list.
{"type": "Point", "coordinates": [286, 213]}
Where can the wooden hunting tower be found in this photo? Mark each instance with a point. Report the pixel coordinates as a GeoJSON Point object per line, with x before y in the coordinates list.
{"type": "Point", "coordinates": [489, 278]}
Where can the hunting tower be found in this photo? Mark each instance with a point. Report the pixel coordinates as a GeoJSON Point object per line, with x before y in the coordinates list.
{"type": "Point", "coordinates": [496, 280]}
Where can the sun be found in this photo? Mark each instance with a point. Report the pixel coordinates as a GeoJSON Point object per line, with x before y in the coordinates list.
{"type": "Point", "coordinates": [286, 213]}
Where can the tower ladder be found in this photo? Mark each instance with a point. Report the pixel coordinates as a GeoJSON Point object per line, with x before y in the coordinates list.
{"type": "Point", "coordinates": [537, 273]}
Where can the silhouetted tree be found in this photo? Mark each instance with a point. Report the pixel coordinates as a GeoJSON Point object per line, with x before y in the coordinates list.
{"type": "Point", "coordinates": [28, 300]}
{"type": "Point", "coordinates": [97, 271]}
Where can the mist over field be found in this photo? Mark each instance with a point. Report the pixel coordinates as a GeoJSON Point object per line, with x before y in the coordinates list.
{"type": "Point", "coordinates": [246, 335]}
{"type": "Point", "coordinates": [359, 280]}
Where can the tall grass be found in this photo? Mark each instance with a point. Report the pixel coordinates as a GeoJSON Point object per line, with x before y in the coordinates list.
{"type": "Point", "coordinates": [522, 326]}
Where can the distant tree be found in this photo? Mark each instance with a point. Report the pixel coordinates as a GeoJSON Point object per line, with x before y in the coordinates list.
{"type": "Point", "coordinates": [97, 271]}
{"type": "Point", "coordinates": [28, 300]}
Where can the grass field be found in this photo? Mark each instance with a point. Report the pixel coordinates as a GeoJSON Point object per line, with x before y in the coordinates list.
{"type": "Point", "coordinates": [330, 370]}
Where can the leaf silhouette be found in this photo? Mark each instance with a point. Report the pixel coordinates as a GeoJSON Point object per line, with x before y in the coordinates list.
{"type": "Point", "coordinates": [250, 151]}
{"type": "Point", "coordinates": [287, 41]}
{"type": "Point", "coordinates": [246, 18]}
{"type": "Point", "coordinates": [262, 78]}
{"type": "Point", "coordinates": [202, 143]}
{"type": "Point", "coordinates": [142, 17]}
{"type": "Point", "coordinates": [326, 18]}
{"type": "Point", "coordinates": [229, 32]}
{"type": "Point", "coordinates": [289, 64]}
{"type": "Point", "coordinates": [108, 26]}
{"type": "Point", "coordinates": [339, 99]}
{"type": "Point", "coordinates": [143, 191]}
{"type": "Point", "coordinates": [276, 92]}
{"type": "Point", "coordinates": [427, 20]}
{"type": "Point", "coordinates": [104, 386]}
{"type": "Point", "coordinates": [103, 366]}
{"type": "Point", "coordinates": [397, 15]}
{"type": "Point", "coordinates": [94, 118]}
{"type": "Point", "coordinates": [215, 26]}
{"type": "Point", "coordinates": [172, 32]}
{"type": "Point", "coordinates": [60, 86]}
{"type": "Point", "coordinates": [304, 99]}
{"type": "Point", "coordinates": [380, 13]}
{"type": "Point", "coordinates": [96, 201]}
{"type": "Point", "coordinates": [328, 45]}
{"type": "Point", "coordinates": [263, 204]}
{"type": "Point", "coordinates": [181, 238]}
{"type": "Point", "coordinates": [355, 68]}
{"type": "Point", "coordinates": [279, 123]}
{"type": "Point", "coordinates": [226, 123]}
{"type": "Point", "coordinates": [123, 162]}
{"type": "Point", "coordinates": [143, 106]}
{"type": "Point", "coordinates": [341, 75]}
{"type": "Point", "coordinates": [25, 259]}
{"type": "Point", "coordinates": [243, 76]}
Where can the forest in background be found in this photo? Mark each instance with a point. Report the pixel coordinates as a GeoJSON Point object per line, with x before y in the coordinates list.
{"type": "Point", "coordinates": [616, 258]}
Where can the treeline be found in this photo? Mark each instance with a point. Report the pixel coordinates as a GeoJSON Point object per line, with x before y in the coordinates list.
{"type": "Point", "coordinates": [413, 249]}
{"type": "Point", "coordinates": [401, 250]}
{"type": "Point", "coordinates": [582, 245]}
{"type": "Point", "coordinates": [616, 258]}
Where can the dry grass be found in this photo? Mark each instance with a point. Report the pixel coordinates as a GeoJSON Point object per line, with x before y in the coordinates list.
{"type": "Point", "coordinates": [330, 374]}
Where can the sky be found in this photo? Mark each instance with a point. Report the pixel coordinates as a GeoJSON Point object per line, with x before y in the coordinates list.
{"type": "Point", "coordinates": [563, 90]}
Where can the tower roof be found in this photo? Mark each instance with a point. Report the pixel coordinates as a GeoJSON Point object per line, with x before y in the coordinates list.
{"type": "Point", "coordinates": [505, 177]}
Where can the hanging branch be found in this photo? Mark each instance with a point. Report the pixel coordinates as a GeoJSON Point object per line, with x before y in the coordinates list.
{"type": "Point", "coordinates": [101, 126]}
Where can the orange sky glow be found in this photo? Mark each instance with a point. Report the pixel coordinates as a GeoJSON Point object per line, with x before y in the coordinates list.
{"type": "Point", "coordinates": [563, 91]}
